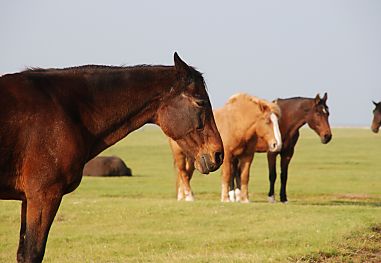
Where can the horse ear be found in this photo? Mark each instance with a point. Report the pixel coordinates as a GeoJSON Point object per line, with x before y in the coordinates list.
{"type": "Point", "coordinates": [375, 103]}
{"type": "Point", "coordinates": [181, 67]}
{"type": "Point", "coordinates": [317, 99]}
{"type": "Point", "coordinates": [263, 107]}
{"type": "Point", "coordinates": [325, 97]}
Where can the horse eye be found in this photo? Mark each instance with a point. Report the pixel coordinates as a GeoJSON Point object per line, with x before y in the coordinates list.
{"type": "Point", "coordinates": [200, 103]}
{"type": "Point", "coordinates": [200, 122]}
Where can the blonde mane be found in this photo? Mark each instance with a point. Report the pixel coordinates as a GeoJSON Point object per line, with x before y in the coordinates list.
{"type": "Point", "coordinates": [274, 108]}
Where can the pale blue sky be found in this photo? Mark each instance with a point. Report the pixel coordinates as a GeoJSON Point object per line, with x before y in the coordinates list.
{"type": "Point", "coordinates": [270, 49]}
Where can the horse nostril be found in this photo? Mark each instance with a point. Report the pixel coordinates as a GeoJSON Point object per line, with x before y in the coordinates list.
{"type": "Point", "coordinates": [218, 157]}
{"type": "Point", "coordinates": [327, 137]}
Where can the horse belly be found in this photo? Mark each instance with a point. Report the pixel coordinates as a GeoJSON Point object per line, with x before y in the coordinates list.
{"type": "Point", "coordinates": [10, 189]}
{"type": "Point", "coordinates": [10, 180]}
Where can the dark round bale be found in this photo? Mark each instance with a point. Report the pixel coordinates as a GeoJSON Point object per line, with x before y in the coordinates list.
{"type": "Point", "coordinates": [106, 166]}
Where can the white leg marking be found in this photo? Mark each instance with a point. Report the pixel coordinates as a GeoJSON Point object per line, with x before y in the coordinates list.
{"type": "Point", "coordinates": [180, 194]}
{"type": "Point", "coordinates": [189, 197]}
{"type": "Point", "coordinates": [277, 134]}
{"type": "Point", "coordinates": [237, 195]}
{"type": "Point", "coordinates": [231, 196]}
{"type": "Point", "coordinates": [271, 199]}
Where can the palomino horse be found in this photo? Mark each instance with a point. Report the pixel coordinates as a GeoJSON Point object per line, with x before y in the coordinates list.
{"type": "Point", "coordinates": [241, 122]}
{"type": "Point", "coordinates": [295, 113]}
{"type": "Point", "coordinates": [376, 123]}
{"type": "Point", "coordinates": [53, 121]}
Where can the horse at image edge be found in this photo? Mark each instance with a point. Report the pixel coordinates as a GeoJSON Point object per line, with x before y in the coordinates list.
{"type": "Point", "coordinates": [55, 120]}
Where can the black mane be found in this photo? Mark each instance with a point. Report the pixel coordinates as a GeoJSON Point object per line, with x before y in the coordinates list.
{"type": "Point", "coordinates": [295, 98]}
{"type": "Point", "coordinates": [92, 68]}
{"type": "Point", "coordinates": [111, 71]}
{"type": "Point", "coordinates": [87, 68]}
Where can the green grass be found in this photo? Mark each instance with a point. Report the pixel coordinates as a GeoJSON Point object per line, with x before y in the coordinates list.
{"type": "Point", "coordinates": [334, 206]}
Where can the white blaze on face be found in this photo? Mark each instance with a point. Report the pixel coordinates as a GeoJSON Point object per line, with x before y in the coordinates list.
{"type": "Point", "coordinates": [277, 135]}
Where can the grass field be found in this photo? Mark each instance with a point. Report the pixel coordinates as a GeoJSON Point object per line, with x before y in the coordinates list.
{"type": "Point", "coordinates": [333, 214]}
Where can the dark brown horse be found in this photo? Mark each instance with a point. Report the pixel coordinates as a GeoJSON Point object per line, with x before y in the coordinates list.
{"type": "Point", "coordinates": [106, 166]}
{"type": "Point", "coordinates": [53, 121]}
{"type": "Point", "coordinates": [376, 123]}
{"type": "Point", "coordinates": [295, 113]}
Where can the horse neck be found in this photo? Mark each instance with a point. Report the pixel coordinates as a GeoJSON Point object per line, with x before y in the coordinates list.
{"type": "Point", "coordinates": [244, 117]}
{"type": "Point", "coordinates": [294, 116]}
{"type": "Point", "coordinates": [124, 105]}
{"type": "Point", "coordinates": [251, 125]}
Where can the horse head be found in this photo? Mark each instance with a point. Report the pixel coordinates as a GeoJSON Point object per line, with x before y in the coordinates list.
{"type": "Point", "coordinates": [376, 123]}
{"type": "Point", "coordinates": [186, 116]}
{"type": "Point", "coordinates": [318, 118]}
{"type": "Point", "coordinates": [268, 126]}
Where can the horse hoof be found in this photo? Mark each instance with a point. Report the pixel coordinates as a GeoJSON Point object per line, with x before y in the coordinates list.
{"type": "Point", "coordinates": [189, 198]}
{"type": "Point", "coordinates": [285, 202]}
{"type": "Point", "coordinates": [245, 201]}
{"type": "Point", "coordinates": [271, 199]}
{"type": "Point", "coordinates": [225, 200]}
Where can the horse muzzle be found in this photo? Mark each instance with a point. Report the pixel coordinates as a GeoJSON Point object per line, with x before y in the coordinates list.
{"type": "Point", "coordinates": [205, 164]}
{"type": "Point", "coordinates": [375, 128]}
{"type": "Point", "coordinates": [326, 138]}
{"type": "Point", "coordinates": [275, 146]}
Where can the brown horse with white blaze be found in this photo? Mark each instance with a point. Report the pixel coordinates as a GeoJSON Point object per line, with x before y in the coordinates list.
{"type": "Point", "coordinates": [241, 122]}
{"type": "Point", "coordinates": [376, 122]}
{"type": "Point", "coordinates": [296, 112]}
{"type": "Point", "coordinates": [53, 121]}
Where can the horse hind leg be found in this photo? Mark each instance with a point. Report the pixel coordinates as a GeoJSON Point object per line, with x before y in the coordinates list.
{"type": "Point", "coordinates": [227, 169]}
{"type": "Point", "coordinates": [233, 186]}
{"type": "Point", "coordinates": [40, 213]}
{"type": "Point", "coordinates": [285, 161]}
{"type": "Point", "coordinates": [235, 182]}
{"type": "Point", "coordinates": [244, 165]}
{"type": "Point", "coordinates": [184, 176]}
{"type": "Point", "coordinates": [189, 169]}
{"type": "Point", "coordinates": [21, 248]}
{"type": "Point", "coordinates": [179, 188]}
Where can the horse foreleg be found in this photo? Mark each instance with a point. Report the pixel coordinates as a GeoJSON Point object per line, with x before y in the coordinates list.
{"type": "Point", "coordinates": [244, 165]}
{"type": "Point", "coordinates": [40, 212]}
{"type": "Point", "coordinates": [271, 161]}
{"type": "Point", "coordinates": [225, 178]}
{"type": "Point", "coordinates": [186, 175]}
{"type": "Point", "coordinates": [184, 168]}
{"type": "Point", "coordinates": [285, 161]}
{"type": "Point", "coordinates": [21, 248]}
{"type": "Point", "coordinates": [179, 187]}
